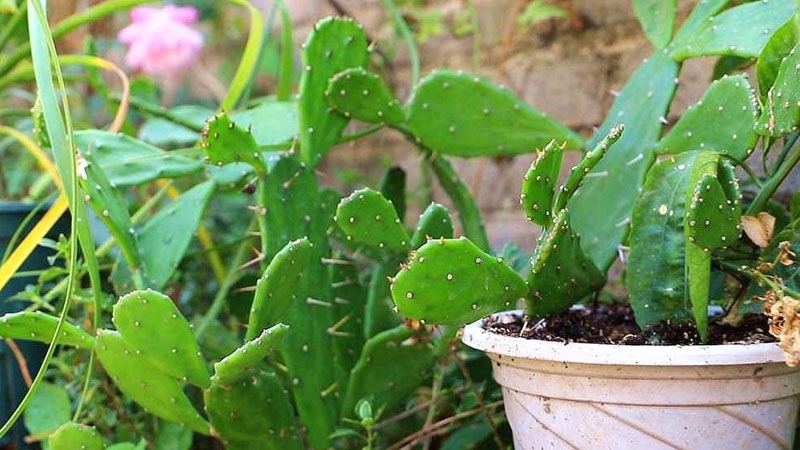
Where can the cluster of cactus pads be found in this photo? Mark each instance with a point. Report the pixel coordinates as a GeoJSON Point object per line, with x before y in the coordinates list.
{"type": "Point", "coordinates": [321, 335]}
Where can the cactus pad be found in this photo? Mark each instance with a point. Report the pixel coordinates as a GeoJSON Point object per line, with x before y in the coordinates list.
{"type": "Point", "coordinates": [781, 113]}
{"type": "Point", "coordinates": [712, 220]}
{"type": "Point", "coordinates": [393, 187]}
{"type": "Point", "coordinates": [391, 367]}
{"type": "Point", "coordinates": [349, 300]}
{"type": "Point", "coordinates": [224, 143]}
{"type": "Point", "coordinates": [740, 31]}
{"type": "Point", "coordinates": [145, 383]}
{"type": "Point", "coordinates": [539, 184]}
{"type": "Point", "coordinates": [451, 281]}
{"type": "Point", "coordinates": [250, 355]}
{"type": "Point", "coordinates": [778, 47]}
{"type": "Point", "coordinates": [435, 222]}
{"type": "Point", "coordinates": [277, 288]}
{"type": "Point", "coordinates": [468, 212]}
{"type": "Point", "coordinates": [362, 95]}
{"type": "Point", "coordinates": [73, 436]}
{"type": "Point", "coordinates": [657, 18]}
{"type": "Point", "coordinates": [335, 45]}
{"type": "Point", "coordinates": [38, 326]}
{"type": "Point", "coordinates": [561, 274]}
{"type": "Point", "coordinates": [721, 121]}
{"type": "Point", "coordinates": [368, 218]}
{"type": "Point", "coordinates": [163, 240]}
{"type": "Point", "coordinates": [150, 322]}
{"type": "Point", "coordinates": [458, 114]}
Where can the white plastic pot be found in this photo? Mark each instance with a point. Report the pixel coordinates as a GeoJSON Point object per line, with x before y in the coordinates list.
{"type": "Point", "coordinates": [595, 396]}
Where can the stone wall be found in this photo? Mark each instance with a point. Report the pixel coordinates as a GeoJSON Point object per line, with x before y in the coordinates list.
{"type": "Point", "coordinates": [568, 69]}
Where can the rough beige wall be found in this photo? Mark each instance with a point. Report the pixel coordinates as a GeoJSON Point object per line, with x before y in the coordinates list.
{"type": "Point", "coordinates": [567, 69]}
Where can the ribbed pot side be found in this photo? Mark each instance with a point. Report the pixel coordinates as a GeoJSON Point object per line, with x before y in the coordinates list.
{"type": "Point", "coordinates": [595, 396]}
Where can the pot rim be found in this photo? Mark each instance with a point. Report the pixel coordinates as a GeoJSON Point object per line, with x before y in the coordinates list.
{"type": "Point", "coordinates": [478, 338]}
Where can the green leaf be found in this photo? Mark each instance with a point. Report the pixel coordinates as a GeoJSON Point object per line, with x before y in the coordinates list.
{"type": "Point", "coordinates": [451, 281]}
{"type": "Point", "coordinates": [778, 47]}
{"type": "Point", "coordinates": [722, 121]}
{"type": "Point", "coordinates": [163, 132]}
{"type": "Point", "coordinates": [38, 326]}
{"type": "Point", "coordinates": [391, 367]}
{"type": "Point", "coordinates": [72, 436]}
{"type": "Point", "coordinates": [164, 239]}
{"type": "Point", "coordinates": [359, 94]}
{"type": "Point", "coordinates": [537, 11]}
{"type": "Point", "coordinates": [250, 355]}
{"type": "Point", "coordinates": [49, 409]}
{"type": "Point", "coordinates": [741, 31]}
{"type": "Point", "coordinates": [130, 162]}
{"type": "Point", "coordinates": [781, 113]}
{"type": "Point", "coordinates": [172, 436]}
{"type": "Point", "coordinates": [270, 123]}
{"type": "Point", "coordinates": [488, 121]}
{"type": "Point", "coordinates": [601, 208]}
{"type": "Point", "coordinates": [657, 18]}
{"type": "Point", "coordinates": [137, 378]}
{"type": "Point", "coordinates": [151, 323]}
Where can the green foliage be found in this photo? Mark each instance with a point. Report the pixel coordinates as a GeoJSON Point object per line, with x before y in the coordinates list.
{"type": "Point", "coordinates": [451, 281]}
{"type": "Point", "coordinates": [488, 120]}
{"type": "Point", "coordinates": [781, 113]}
{"type": "Point", "coordinates": [777, 48]}
{"type": "Point", "coordinates": [359, 94]}
{"type": "Point", "coordinates": [368, 218]}
{"type": "Point", "coordinates": [722, 121]}
{"type": "Point", "coordinates": [393, 364]}
{"type": "Point", "coordinates": [335, 45]}
{"type": "Point", "coordinates": [48, 410]}
{"type": "Point", "coordinates": [393, 188]}
{"type": "Point", "coordinates": [657, 18]}
{"type": "Point", "coordinates": [539, 184]}
{"type": "Point", "coordinates": [434, 223]}
{"type": "Point", "coordinates": [224, 143]}
{"type": "Point", "coordinates": [537, 11]}
{"type": "Point", "coordinates": [277, 287]}
{"type": "Point", "coordinates": [71, 436]}
{"type": "Point", "coordinates": [741, 31]}
{"type": "Point", "coordinates": [38, 326]}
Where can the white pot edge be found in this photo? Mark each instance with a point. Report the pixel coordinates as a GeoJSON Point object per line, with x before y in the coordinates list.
{"type": "Point", "coordinates": [477, 337]}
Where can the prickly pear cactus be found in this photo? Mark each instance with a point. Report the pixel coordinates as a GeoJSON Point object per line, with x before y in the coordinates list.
{"type": "Point", "coordinates": [335, 45]}
{"type": "Point", "coordinates": [657, 18]}
{"type": "Point", "coordinates": [368, 218]}
{"type": "Point", "coordinates": [451, 281]}
{"type": "Point", "coordinates": [251, 354]}
{"type": "Point", "coordinates": [224, 143]}
{"type": "Point", "coordinates": [379, 314]}
{"type": "Point", "coordinates": [73, 436]}
{"type": "Point", "coordinates": [777, 48]}
{"type": "Point", "coordinates": [150, 322]}
{"type": "Point", "coordinates": [722, 121]}
{"type": "Point", "coordinates": [781, 113]}
{"type": "Point", "coordinates": [393, 188]}
{"type": "Point", "coordinates": [712, 218]}
{"type": "Point", "coordinates": [434, 223]}
{"type": "Point", "coordinates": [561, 274]}
{"type": "Point", "coordinates": [458, 114]}
{"type": "Point", "coordinates": [277, 287]}
{"type": "Point", "coordinates": [144, 382]}
{"type": "Point", "coordinates": [38, 326]}
{"type": "Point", "coordinates": [359, 94]}
{"type": "Point", "coordinates": [349, 306]}
{"type": "Point", "coordinates": [539, 184]}
{"type": "Point", "coordinates": [392, 365]}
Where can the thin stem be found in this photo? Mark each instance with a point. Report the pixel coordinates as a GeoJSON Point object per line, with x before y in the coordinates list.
{"type": "Point", "coordinates": [359, 134]}
{"type": "Point", "coordinates": [411, 439]}
{"type": "Point", "coordinates": [244, 73]}
{"type": "Point", "coordinates": [21, 362]}
{"type": "Point", "coordinates": [757, 276]}
{"type": "Point", "coordinates": [774, 182]}
{"type": "Point", "coordinates": [788, 143]}
{"type": "Point", "coordinates": [408, 37]}
{"type": "Point", "coordinates": [479, 397]}
{"type": "Point", "coordinates": [160, 112]}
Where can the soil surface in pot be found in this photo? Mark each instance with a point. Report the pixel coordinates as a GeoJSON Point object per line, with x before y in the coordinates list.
{"type": "Point", "coordinates": [614, 324]}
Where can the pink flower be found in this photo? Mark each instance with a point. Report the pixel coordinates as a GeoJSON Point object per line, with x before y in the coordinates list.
{"type": "Point", "coordinates": [161, 42]}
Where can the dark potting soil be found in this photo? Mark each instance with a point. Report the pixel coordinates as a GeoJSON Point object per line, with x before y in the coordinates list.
{"type": "Point", "coordinates": [614, 324]}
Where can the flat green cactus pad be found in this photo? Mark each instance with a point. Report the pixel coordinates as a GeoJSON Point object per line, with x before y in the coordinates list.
{"type": "Point", "coordinates": [131, 162]}
{"type": "Point", "coordinates": [38, 326]}
{"type": "Point", "coordinates": [451, 281]}
{"type": "Point", "coordinates": [362, 95]}
{"type": "Point", "coordinates": [250, 355]}
{"type": "Point", "coordinates": [349, 307]}
{"type": "Point", "coordinates": [657, 18]}
{"type": "Point", "coordinates": [393, 187]}
{"type": "Point", "coordinates": [164, 239]}
{"type": "Point", "coordinates": [145, 383]}
{"type": "Point", "coordinates": [151, 323]}
{"type": "Point", "coordinates": [278, 286]}
{"type": "Point", "coordinates": [712, 220]}
{"type": "Point", "coordinates": [392, 365]}
{"type": "Point", "coordinates": [335, 45]}
{"type": "Point", "coordinates": [253, 412]}
{"type": "Point", "coordinates": [368, 218]}
{"type": "Point", "coordinates": [601, 208]}
{"type": "Point", "coordinates": [459, 114]}
{"type": "Point", "coordinates": [434, 223]}
{"type": "Point", "coordinates": [224, 142]}
{"type": "Point", "coordinates": [561, 274]}
{"type": "Point", "coordinates": [468, 212]}
{"type": "Point", "coordinates": [539, 184]}
{"type": "Point", "coordinates": [379, 314]}
{"type": "Point", "coordinates": [741, 31]}
{"type": "Point", "coordinates": [722, 121]}
{"type": "Point", "coordinates": [778, 47]}
{"type": "Point", "coordinates": [781, 113]}
{"type": "Point", "coordinates": [74, 436]}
